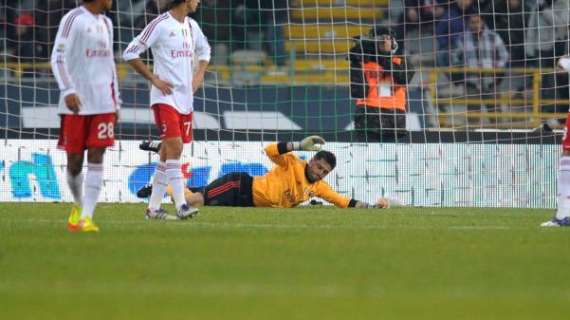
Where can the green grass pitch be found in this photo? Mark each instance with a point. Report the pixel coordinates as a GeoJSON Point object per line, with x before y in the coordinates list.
{"type": "Point", "coordinates": [308, 263]}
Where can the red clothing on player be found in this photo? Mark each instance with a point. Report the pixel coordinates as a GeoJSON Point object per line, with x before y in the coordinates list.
{"type": "Point", "coordinates": [172, 123]}
{"type": "Point", "coordinates": [78, 133]}
{"type": "Point", "coordinates": [566, 139]}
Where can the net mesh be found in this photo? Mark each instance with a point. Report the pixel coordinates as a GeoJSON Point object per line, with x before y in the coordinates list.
{"type": "Point", "coordinates": [486, 101]}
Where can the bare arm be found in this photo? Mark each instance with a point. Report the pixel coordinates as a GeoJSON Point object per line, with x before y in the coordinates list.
{"type": "Point", "coordinates": [198, 78]}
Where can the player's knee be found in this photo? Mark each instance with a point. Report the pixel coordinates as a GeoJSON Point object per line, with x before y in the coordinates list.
{"type": "Point", "coordinates": [74, 169]}
{"type": "Point", "coordinates": [172, 148]}
{"type": "Point", "coordinates": [95, 155]}
{"type": "Point", "coordinates": [74, 163]}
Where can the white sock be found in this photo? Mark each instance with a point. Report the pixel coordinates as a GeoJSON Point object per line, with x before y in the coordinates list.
{"type": "Point", "coordinates": [159, 184]}
{"type": "Point", "coordinates": [176, 180]}
{"type": "Point", "coordinates": [563, 210]}
{"type": "Point", "coordinates": [75, 184]}
{"type": "Point", "coordinates": [93, 181]}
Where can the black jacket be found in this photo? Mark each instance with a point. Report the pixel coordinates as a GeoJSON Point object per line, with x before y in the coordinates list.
{"type": "Point", "coordinates": [401, 73]}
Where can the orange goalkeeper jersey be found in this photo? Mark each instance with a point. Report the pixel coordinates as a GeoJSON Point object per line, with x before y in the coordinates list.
{"type": "Point", "coordinates": [286, 185]}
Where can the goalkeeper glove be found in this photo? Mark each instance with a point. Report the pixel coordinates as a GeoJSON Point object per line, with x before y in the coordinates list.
{"type": "Point", "coordinates": [388, 202]}
{"type": "Point", "coordinates": [310, 143]}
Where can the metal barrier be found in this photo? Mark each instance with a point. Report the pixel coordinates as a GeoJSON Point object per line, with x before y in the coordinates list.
{"type": "Point", "coordinates": [529, 119]}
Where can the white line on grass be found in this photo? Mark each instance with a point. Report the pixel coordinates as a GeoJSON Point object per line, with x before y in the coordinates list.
{"type": "Point", "coordinates": [280, 226]}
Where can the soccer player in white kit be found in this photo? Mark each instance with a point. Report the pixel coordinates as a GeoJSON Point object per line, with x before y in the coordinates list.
{"type": "Point", "coordinates": [83, 65]}
{"type": "Point", "coordinates": [177, 42]}
{"type": "Point", "coordinates": [562, 216]}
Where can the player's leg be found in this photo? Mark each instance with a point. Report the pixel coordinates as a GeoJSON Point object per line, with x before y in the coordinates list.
{"type": "Point", "coordinates": [170, 153]}
{"type": "Point", "coordinates": [194, 197]}
{"type": "Point", "coordinates": [75, 176]}
{"type": "Point", "coordinates": [101, 134]}
{"type": "Point", "coordinates": [562, 216]}
{"type": "Point", "coordinates": [72, 138]}
{"type": "Point", "coordinates": [233, 190]}
{"type": "Point", "coordinates": [160, 180]}
{"type": "Point", "coordinates": [175, 130]}
{"type": "Point", "coordinates": [93, 181]}
{"type": "Point", "coordinates": [159, 185]}
{"type": "Point", "coordinates": [75, 183]}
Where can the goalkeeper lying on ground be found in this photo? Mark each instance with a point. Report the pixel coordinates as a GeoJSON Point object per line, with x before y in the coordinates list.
{"type": "Point", "coordinates": [290, 182]}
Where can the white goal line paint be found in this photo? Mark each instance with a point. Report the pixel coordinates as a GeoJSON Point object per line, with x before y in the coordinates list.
{"type": "Point", "coordinates": [194, 223]}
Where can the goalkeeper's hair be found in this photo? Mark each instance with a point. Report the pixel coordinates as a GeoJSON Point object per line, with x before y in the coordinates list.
{"type": "Point", "coordinates": [328, 156]}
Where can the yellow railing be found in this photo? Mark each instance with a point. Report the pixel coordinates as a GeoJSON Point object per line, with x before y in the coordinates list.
{"type": "Point", "coordinates": [335, 73]}
{"type": "Point", "coordinates": [326, 73]}
{"type": "Point", "coordinates": [18, 68]}
{"type": "Point", "coordinates": [528, 119]}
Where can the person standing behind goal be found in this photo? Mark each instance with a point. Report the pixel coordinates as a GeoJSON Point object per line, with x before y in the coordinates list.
{"type": "Point", "coordinates": [176, 41]}
{"type": "Point", "coordinates": [83, 65]}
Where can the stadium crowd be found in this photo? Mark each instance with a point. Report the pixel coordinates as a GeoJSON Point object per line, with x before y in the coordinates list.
{"type": "Point", "coordinates": [510, 34]}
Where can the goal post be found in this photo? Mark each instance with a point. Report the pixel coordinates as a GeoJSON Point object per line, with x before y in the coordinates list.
{"type": "Point", "coordinates": [483, 121]}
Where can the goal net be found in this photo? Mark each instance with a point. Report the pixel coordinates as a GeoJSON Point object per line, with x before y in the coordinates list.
{"type": "Point", "coordinates": [484, 98]}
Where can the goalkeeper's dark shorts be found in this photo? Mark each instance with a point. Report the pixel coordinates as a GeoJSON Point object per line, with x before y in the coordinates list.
{"type": "Point", "coordinates": [232, 190]}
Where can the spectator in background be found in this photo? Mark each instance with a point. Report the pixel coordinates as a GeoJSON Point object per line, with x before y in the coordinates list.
{"type": "Point", "coordinates": [419, 15]}
{"type": "Point", "coordinates": [450, 28]}
{"type": "Point", "coordinates": [510, 21]}
{"type": "Point", "coordinates": [7, 15]}
{"type": "Point", "coordinates": [28, 48]}
{"type": "Point", "coordinates": [378, 81]}
{"type": "Point", "coordinates": [547, 32]}
{"type": "Point", "coordinates": [480, 47]}
{"type": "Point", "coordinates": [246, 25]}
{"type": "Point", "coordinates": [48, 14]}
{"type": "Point", "coordinates": [546, 41]}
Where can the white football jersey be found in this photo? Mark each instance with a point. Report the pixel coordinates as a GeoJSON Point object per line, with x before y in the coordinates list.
{"type": "Point", "coordinates": [82, 62]}
{"type": "Point", "coordinates": [175, 46]}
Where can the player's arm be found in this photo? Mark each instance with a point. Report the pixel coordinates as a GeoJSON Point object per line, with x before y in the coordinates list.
{"type": "Point", "coordinates": [276, 151]}
{"type": "Point", "coordinates": [117, 93]}
{"type": "Point", "coordinates": [203, 54]}
{"type": "Point", "coordinates": [326, 192]}
{"type": "Point", "coordinates": [140, 44]}
{"type": "Point", "coordinates": [60, 58]}
{"type": "Point", "coordinates": [198, 78]}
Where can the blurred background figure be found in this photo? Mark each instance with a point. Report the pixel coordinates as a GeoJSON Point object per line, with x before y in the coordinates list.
{"type": "Point", "coordinates": [450, 28]}
{"type": "Point", "coordinates": [546, 41]}
{"type": "Point", "coordinates": [480, 48]}
{"type": "Point", "coordinates": [419, 15]}
{"type": "Point", "coordinates": [378, 81]}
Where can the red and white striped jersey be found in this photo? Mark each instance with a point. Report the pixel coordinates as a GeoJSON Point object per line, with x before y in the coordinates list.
{"type": "Point", "coordinates": [175, 46]}
{"type": "Point", "coordinates": [82, 62]}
